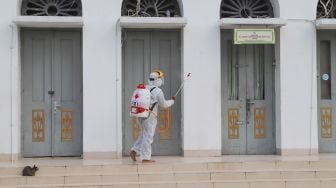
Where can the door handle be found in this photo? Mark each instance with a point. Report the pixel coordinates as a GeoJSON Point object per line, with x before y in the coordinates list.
{"type": "Point", "coordinates": [250, 102]}
{"type": "Point", "coordinates": [57, 106]}
{"type": "Point", "coordinates": [238, 123]}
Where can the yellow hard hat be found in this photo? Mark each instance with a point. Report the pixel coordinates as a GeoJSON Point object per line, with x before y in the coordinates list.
{"type": "Point", "coordinates": [159, 72]}
{"type": "Point", "coordinates": [156, 78]}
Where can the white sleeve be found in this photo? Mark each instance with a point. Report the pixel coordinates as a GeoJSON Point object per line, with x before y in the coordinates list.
{"type": "Point", "coordinates": [163, 102]}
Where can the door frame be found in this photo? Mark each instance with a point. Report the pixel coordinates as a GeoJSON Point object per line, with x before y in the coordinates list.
{"type": "Point", "coordinates": [20, 31]}
{"type": "Point", "coordinates": [325, 35]}
{"type": "Point", "coordinates": [121, 145]}
{"type": "Point", "coordinates": [276, 112]}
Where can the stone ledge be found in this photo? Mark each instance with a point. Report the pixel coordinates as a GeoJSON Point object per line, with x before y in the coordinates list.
{"type": "Point", "coordinates": [231, 23]}
{"type": "Point", "coordinates": [153, 22]}
{"type": "Point", "coordinates": [49, 21]}
{"type": "Point", "coordinates": [325, 24]}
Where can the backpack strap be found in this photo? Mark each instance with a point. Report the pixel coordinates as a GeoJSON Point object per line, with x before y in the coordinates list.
{"type": "Point", "coordinates": [152, 107]}
{"type": "Point", "coordinates": [152, 89]}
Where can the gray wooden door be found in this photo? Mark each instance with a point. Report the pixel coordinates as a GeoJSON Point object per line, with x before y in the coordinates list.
{"type": "Point", "coordinates": [247, 98]}
{"type": "Point", "coordinates": [51, 93]}
{"type": "Point", "coordinates": [326, 65]}
{"type": "Point", "coordinates": [144, 51]}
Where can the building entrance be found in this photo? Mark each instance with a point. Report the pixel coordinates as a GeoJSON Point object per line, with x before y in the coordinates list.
{"type": "Point", "coordinates": [144, 51]}
{"type": "Point", "coordinates": [247, 98]}
{"type": "Point", "coordinates": [51, 93]}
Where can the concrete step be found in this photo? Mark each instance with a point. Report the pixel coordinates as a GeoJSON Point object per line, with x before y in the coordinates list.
{"type": "Point", "coordinates": [168, 177]}
{"type": "Point", "coordinates": [246, 174]}
{"type": "Point", "coordinates": [138, 168]}
{"type": "Point", "coordinates": [298, 183]}
{"type": "Point", "coordinates": [281, 173]}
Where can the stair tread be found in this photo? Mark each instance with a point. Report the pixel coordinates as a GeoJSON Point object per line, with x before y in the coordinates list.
{"type": "Point", "coordinates": [169, 182]}
{"type": "Point", "coordinates": [66, 174]}
{"type": "Point", "coordinates": [169, 172]}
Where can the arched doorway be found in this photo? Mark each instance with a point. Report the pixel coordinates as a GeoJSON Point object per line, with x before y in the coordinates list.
{"type": "Point", "coordinates": [145, 50]}
{"type": "Point", "coordinates": [51, 83]}
{"type": "Point", "coordinates": [247, 85]}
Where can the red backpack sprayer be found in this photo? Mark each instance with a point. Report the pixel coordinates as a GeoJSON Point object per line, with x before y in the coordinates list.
{"type": "Point", "coordinates": [140, 101]}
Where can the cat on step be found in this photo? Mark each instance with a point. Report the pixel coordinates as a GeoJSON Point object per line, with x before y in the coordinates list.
{"type": "Point", "coordinates": [29, 171]}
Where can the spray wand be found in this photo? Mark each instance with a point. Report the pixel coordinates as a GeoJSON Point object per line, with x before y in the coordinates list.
{"type": "Point", "coordinates": [178, 91]}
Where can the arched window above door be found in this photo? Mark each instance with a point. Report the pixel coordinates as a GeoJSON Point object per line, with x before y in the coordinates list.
{"type": "Point", "coordinates": [151, 8]}
{"type": "Point", "coordinates": [326, 9]}
{"type": "Point", "coordinates": [246, 9]}
{"type": "Point", "coordinates": [51, 8]}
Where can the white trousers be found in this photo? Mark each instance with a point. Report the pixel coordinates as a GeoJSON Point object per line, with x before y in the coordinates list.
{"type": "Point", "coordinates": [143, 145]}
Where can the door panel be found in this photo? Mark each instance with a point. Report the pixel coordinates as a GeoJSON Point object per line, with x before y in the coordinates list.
{"type": "Point", "coordinates": [36, 108]}
{"type": "Point", "coordinates": [260, 136]}
{"type": "Point", "coordinates": [165, 56]}
{"type": "Point", "coordinates": [247, 96]}
{"type": "Point", "coordinates": [234, 84]}
{"type": "Point", "coordinates": [143, 52]}
{"type": "Point", "coordinates": [326, 44]}
{"type": "Point", "coordinates": [51, 75]}
{"type": "Point", "coordinates": [136, 58]}
{"type": "Point", "coordinates": [67, 84]}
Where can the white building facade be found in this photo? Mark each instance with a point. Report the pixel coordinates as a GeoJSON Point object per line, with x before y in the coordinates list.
{"type": "Point", "coordinates": [67, 69]}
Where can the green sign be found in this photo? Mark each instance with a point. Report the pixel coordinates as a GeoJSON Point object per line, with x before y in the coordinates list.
{"type": "Point", "coordinates": [254, 36]}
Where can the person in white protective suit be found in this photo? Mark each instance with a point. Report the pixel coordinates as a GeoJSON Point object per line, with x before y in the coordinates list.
{"type": "Point", "coordinates": [143, 145]}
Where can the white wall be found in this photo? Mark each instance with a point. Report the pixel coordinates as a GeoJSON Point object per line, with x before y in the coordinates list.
{"type": "Point", "coordinates": [100, 74]}
{"type": "Point", "coordinates": [298, 9]}
{"type": "Point", "coordinates": [202, 107]}
{"type": "Point", "coordinates": [7, 14]}
{"type": "Point", "coordinates": [298, 77]}
{"type": "Point", "coordinates": [201, 47]}
{"type": "Point", "coordinates": [297, 68]}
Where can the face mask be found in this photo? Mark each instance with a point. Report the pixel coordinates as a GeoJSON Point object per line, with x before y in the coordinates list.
{"type": "Point", "coordinates": [159, 82]}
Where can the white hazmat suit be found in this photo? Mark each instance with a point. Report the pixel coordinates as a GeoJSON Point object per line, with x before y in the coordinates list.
{"type": "Point", "coordinates": [143, 145]}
